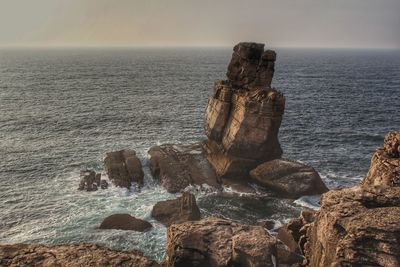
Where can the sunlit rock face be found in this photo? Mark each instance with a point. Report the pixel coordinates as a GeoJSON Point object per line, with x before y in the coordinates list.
{"type": "Point", "coordinates": [385, 163]}
{"type": "Point", "coordinates": [359, 226]}
{"type": "Point", "coordinates": [244, 113]}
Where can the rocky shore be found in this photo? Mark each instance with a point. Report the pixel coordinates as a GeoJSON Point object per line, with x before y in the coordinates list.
{"type": "Point", "coordinates": [356, 226]}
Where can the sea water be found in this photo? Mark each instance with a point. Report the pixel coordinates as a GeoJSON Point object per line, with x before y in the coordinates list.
{"type": "Point", "coordinates": [61, 110]}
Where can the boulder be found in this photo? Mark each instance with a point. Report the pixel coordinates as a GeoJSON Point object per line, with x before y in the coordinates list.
{"type": "Point", "coordinates": [90, 180]}
{"type": "Point", "coordinates": [124, 168]}
{"type": "Point", "coordinates": [289, 178]}
{"type": "Point", "coordinates": [70, 256]}
{"type": "Point", "coordinates": [243, 114]}
{"type": "Point", "coordinates": [103, 184]}
{"type": "Point", "coordinates": [217, 242]}
{"type": "Point", "coordinates": [178, 166]}
{"type": "Point", "coordinates": [178, 210]}
{"type": "Point", "coordinates": [385, 163]}
{"type": "Point", "coordinates": [125, 222]}
{"type": "Point", "coordinates": [356, 226]}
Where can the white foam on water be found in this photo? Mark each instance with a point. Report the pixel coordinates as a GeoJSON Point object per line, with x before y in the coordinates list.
{"type": "Point", "coordinates": [311, 202]}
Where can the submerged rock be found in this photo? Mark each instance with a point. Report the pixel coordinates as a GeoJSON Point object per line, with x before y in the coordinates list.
{"type": "Point", "coordinates": [178, 166]}
{"type": "Point", "coordinates": [385, 163]}
{"type": "Point", "coordinates": [125, 222]}
{"type": "Point", "coordinates": [124, 168]}
{"type": "Point", "coordinates": [70, 256]}
{"type": "Point", "coordinates": [289, 178]}
{"type": "Point", "coordinates": [178, 210]}
{"type": "Point", "coordinates": [219, 243]}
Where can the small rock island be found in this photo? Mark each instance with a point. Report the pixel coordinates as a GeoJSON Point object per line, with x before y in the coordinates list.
{"type": "Point", "coordinates": [241, 122]}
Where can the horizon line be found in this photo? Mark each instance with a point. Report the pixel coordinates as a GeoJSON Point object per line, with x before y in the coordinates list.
{"type": "Point", "coordinates": [169, 46]}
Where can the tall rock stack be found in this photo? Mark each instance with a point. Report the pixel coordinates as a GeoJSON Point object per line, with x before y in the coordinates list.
{"type": "Point", "coordinates": [244, 113]}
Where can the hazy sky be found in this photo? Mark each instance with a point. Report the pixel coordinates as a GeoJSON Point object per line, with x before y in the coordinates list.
{"type": "Point", "coordinates": [309, 23]}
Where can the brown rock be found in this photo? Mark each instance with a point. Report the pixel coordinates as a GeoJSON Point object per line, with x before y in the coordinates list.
{"type": "Point", "coordinates": [178, 166]}
{"type": "Point", "coordinates": [90, 180]}
{"type": "Point", "coordinates": [125, 222]}
{"type": "Point", "coordinates": [124, 168]}
{"type": "Point", "coordinates": [219, 242]}
{"type": "Point", "coordinates": [250, 66]}
{"type": "Point", "coordinates": [385, 163]}
{"type": "Point", "coordinates": [289, 178]}
{"type": "Point", "coordinates": [358, 226]}
{"type": "Point", "coordinates": [243, 114]}
{"type": "Point", "coordinates": [178, 210]}
{"type": "Point", "coordinates": [245, 136]}
{"type": "Point", "coordinates": [24, 255]}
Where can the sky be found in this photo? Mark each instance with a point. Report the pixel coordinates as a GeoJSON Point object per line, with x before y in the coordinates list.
{"type": "Point", "coordinates": [279, 23]}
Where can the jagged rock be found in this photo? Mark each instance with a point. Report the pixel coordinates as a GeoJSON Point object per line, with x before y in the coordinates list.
{"type": "Point", "coordinates": [178, 210]}
{"type": "Point", "coordinates": [24, 255]}
{"type": "Point", "coordinates": [246, 135]}
{"type": "Point", "coordinates": [125, 222]}
{"type": "Point", "coordinates": [289, 178]}
{"type": "Point", "coordinates": [244, 113]}
{"type": "Point", "coordinates": [178, 166]}
{"type": "Point", "coordinates": [103, 184]}
{"type": "Point", "coordinates": [293, 234]}
{"type": "Point", "coordinates": [90, 180]}
{"type": "Point", "coordinates": [251, 66]}
{"type": "Point", "coordinates": [217, 242]}
{"type": "Point", "coordinates": [385, 163]}
{"type": "Point", "coordinates": [358, 226]}
{"type": "Point", "coordinates": [124, 168]}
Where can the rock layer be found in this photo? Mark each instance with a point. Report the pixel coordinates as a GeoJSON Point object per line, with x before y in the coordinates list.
{"type": "Point", "coordinates": [23, 255]}
{"type": "Point", "coordinates": [289, 178]}
{"type": "Point", "coordinates": [124, 168]}
{"type": "Point", "coordinates": [244, 113]}
{"type": "Point", "coordinates": [178, 210]}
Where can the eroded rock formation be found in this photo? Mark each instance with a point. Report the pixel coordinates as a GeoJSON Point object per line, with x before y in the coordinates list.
{"type": "Point", "coordinates": [124, 168]}
{"type": "Point", "coordinates": [289, 178]}
{"type": "Point", "coordinates": [359, 226]}
{"type": "Point", "coordinates": [22, 255]}
{"type": "Point", "coordinates": [178, 210]}
{"type": "Point", "coordinates": [241, 122]}
{"type": "Point", "coordinates": [125, 222]}
{"type": "Point", "coordinates": [91, 181]}
{"type": "Point", "coordinates": [217, 242]}
{"type": "Point", "coordinates": [244, 113]}
{"type": "Point", "coordinates": [178, 166]}
{"type": "Point", "coordinates": [385, 163]}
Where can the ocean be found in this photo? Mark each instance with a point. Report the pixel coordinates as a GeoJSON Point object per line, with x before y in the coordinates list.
{"type": "Point", "coordinates": [61, 110]}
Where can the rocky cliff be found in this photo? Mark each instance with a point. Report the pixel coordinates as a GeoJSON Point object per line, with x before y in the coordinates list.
{"type": "Point", "coordinates": [21, 255]}
{"type": "Point", "coordinates": [359, 226]}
